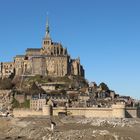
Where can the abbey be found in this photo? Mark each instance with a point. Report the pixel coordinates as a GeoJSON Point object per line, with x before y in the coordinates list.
{"type": "Point", "coordinates": [52, 59]}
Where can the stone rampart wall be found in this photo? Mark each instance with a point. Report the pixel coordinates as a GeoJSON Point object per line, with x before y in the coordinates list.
{"type": "Point", "coordinates": [5, 92]}
{"type": "Point", "coordinates": [87, 112]}
{"type": "Point", "coordinates": [26, 113]}
{"type": "Point", "coordinates": [117, 111]}
{"type": "Point", "coordinates": [138, 112]}
{"type": "Point", "coordinates": [132, 112]}
{"type": "Point", "coordinates": [92, 112]}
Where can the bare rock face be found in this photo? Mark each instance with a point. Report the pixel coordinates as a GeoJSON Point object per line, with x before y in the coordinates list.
{"type": "Point", "coordinates": [5, 99]}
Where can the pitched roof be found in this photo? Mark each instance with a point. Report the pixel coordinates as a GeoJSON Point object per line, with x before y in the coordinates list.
{"type": "Point", "coordinates": [20, 55]}
{"type": "Point", "coordinates": [33, 49]}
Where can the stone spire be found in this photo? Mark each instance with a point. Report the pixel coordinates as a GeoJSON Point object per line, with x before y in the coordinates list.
{"type": "Point", "coordinates": [47, 29]}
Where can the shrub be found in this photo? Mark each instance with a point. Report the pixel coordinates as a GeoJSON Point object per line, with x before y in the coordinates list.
{"type": "Point", "coordinates": [6, 84]}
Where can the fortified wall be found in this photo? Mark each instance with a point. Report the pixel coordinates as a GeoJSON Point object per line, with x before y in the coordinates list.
{"type": "Point", "coordinates": [132, 112]}
{"type": "Point", "coordinates": [116, 111]}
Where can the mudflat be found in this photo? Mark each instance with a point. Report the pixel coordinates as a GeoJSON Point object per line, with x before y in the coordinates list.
{"type": "Point", "coordinates": [69, 128]}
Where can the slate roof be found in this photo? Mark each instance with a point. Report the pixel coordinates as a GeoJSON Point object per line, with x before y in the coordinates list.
{"type": "Point", "coordinates": [33, 49]}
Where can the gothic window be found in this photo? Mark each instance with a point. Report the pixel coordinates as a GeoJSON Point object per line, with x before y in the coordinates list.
{"type": "Point", "coordinates": [25, 67]}
{"type": "Point", "coordinates": [57, 50]}
{"type": "Point", "coordinates": [62, 51]}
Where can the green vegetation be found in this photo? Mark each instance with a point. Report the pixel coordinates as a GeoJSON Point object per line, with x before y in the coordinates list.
{"type": "Point", "coordinates": [29, 84]}
{"type": "Point", "coordinates": [104, 86]}
{"type": "Point", "coordinates": [39, 79]}
{"type": "Point", "coordinates": [34, 89]}
{"type": "Point", "coordinates": [16, 104]}
{"type": "Point", "coordinates": [26, 104]}
{"type": "Point", "coordinates": [46, 79]}
{"type": "Point", "coordinates": [6, 84]}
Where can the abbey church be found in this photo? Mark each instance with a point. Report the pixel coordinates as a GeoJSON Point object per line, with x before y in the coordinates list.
{"type": "Point", "coordinates": [52, 59]}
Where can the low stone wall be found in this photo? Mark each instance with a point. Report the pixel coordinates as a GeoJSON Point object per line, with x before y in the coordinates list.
{"type": "Point", "coordinates": [56, 110]}
{"type": "Point", "coordinates": [132, 112]}
{"type": "Point", "coordinates": [26, 113]}
{"type": "Point", "coordinates": [5, 91]}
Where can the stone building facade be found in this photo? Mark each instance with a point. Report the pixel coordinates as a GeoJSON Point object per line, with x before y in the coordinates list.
{"type": "Point", "coordinates": [37, 104]}
{"type": "Point", "coordinates": [6, 69]}
{"type": "Point", "coordinates": [52, 59]}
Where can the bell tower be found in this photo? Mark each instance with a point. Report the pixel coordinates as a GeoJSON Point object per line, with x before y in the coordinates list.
{"type": "Point", "coordinates": [47, 40]}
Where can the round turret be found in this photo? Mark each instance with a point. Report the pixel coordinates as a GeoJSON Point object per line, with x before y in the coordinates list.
{"type": "Point", "coordinates": [118, 110]}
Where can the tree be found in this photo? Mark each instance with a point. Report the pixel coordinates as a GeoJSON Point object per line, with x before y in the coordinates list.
{"type": "Point", "coordinates": [104, 86]}
{"type": "Point", "coordinates": [15, 103]}
{"type": "Point", "coordinates": [35, 89]}
{"type": "Point", "coordinates": [6, 84]}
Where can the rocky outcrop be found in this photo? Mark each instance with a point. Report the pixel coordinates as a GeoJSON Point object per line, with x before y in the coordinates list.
{"type": "Point", "coordinates": [5, 99]}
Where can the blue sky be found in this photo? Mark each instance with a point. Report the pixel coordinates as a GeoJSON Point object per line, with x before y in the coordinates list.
{"type": "Point", "coordinates": [105, 34]}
